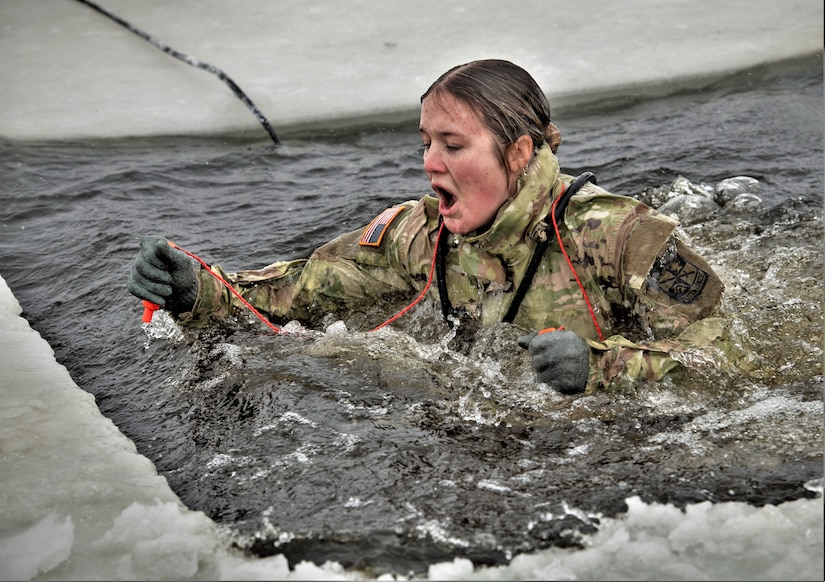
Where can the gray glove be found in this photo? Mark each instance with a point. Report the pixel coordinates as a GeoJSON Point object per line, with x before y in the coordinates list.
{"type": "Point", "coordinates": [561, 359]}
{"type": "Point", "coordinates": [163, 275]}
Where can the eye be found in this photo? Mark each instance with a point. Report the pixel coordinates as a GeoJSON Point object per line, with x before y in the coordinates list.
{"type": "Point", "coordinates": [424, 147]}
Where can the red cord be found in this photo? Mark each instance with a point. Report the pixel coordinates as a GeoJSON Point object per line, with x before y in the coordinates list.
{"type": "Point", "coordinates": [423, 293]}
{"type": "Point", "coordinates": [231, 289]}
{"type": "Point", "coordinates": [408, 307]}
{"type": "Point", "coordinates": [570, 264]}
{"type": "Point", "coordinates": [278, 330]}
{"type": "Point", "coordinates": [148, 310]}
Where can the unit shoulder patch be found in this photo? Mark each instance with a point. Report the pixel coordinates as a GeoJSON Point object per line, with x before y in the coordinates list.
{"type": "Point", "coordinates": [374, 233]}
{"type": "Point", "coordinates": [679, 278]}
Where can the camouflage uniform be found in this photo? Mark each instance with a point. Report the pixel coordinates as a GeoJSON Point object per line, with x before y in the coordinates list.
{"type": "Point", "coordinates": [643, 282]}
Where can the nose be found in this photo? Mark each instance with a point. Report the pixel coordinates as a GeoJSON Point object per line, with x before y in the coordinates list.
{"type": "Point", "coordinates": [433, 163]}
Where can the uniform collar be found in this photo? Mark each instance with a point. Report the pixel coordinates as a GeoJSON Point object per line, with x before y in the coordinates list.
{"type": "Point", "coordinates": [529, 206]}
{"type": "Point", "coordinates": [500, 250]}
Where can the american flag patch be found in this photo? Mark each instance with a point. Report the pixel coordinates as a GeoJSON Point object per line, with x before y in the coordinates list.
{"type": "Point", "coordinates": [375, 230]}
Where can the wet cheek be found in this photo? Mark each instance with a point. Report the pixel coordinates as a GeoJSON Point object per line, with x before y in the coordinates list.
{"type": "Point", "coordinates": [471, 178]}
{"type": "Point", "coordinates": [487, 186]}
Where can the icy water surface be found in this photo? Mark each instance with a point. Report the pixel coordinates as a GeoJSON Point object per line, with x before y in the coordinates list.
{"type": "Point", "coordinates": [389, 451]}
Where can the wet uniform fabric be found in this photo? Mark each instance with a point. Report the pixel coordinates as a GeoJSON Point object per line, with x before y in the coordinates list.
{"type": "Point", "coordinates": [646, 286]}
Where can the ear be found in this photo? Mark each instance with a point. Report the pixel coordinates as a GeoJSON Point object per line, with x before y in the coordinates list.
{"type": "Point", "coordinates": [519, 154]}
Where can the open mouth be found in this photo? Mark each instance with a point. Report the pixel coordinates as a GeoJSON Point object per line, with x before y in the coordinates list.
{"type": "Point", "coordinates": [446, 197]}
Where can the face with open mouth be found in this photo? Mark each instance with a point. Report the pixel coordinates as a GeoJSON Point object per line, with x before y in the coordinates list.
{"type": "Point", "coordinates": [462, 162]}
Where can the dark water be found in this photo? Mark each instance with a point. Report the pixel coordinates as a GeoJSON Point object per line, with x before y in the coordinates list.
{"type": "Point", "coordinates": [392, 450]}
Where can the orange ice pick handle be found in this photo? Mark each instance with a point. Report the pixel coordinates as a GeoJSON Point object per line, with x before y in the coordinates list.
{"type": "Point", "coordinates": [549, 329]}
{"type": "Point", "coordinates": [149, 309]}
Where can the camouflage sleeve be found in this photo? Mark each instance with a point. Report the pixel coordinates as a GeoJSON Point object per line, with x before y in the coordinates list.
{"type": "Point", "coordinates": [617, 362]}
{"type": "Point", "coordinates": [664, 292]}
{"type": "Point", "coordinates": [674, 288]}
{"type": "Point", "coordinates": [673, 300]}
{"type": "Point", "coordinates": [346, 272]}
{"type": "Point", "coordinates": [269, 290]}
{"type": "Point", "coordinates": [641, 263]}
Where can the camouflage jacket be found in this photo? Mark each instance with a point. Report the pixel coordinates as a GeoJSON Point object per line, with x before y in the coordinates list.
{"type": "Point", "coordinates": [645, 285]}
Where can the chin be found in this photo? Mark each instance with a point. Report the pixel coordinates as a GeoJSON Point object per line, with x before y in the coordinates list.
{"type": "Point", "coordinates": [455, 226]}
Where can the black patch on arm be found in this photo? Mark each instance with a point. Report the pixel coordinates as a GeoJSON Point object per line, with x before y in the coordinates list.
{"type": "Point", "coordinates": [677, 277]}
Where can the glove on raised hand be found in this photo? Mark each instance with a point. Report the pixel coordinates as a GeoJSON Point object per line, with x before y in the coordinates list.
{"type": "Point", "coordinates": [561, 359]}
{"type": "Point", "coordinates": [163, 275]}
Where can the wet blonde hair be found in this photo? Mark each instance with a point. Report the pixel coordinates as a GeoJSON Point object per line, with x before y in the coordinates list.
{"type": "Point", "coordinates": [506, 97]}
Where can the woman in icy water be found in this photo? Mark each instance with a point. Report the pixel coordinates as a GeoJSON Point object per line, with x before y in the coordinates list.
{"type": "Point", "coordinates": [602, 285]}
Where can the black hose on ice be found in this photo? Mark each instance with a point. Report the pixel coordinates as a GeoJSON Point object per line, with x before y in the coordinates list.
{"type": "Point", "coordinates": [195, 63]}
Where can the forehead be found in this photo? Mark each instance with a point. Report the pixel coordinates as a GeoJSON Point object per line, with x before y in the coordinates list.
{"type": "Point", "coordinates": [442, 113]}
